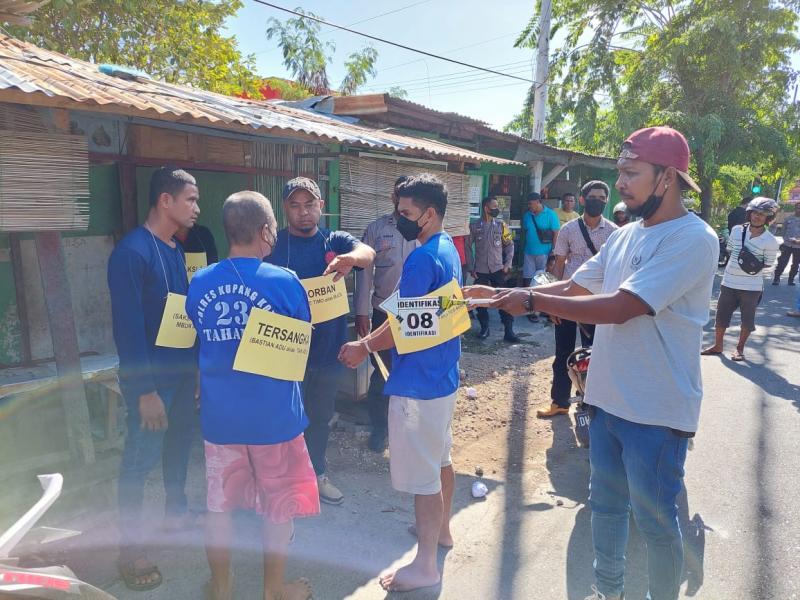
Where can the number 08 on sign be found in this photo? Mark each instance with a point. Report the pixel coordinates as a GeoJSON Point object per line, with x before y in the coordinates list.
{"type": "Point", "coordinates": [418, 317]}
{"type": "Point", "coordinates": [424, 322]}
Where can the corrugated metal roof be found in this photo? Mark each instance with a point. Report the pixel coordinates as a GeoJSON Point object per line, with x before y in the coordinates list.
{"type": "Point", "coordinates": [52, 79]}
{"type": "Point", "coordinates": [369, 104]}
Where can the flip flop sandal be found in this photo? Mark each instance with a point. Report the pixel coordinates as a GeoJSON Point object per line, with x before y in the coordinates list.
{"type": "Point", "coordinates": [737, 356]}
{"type": "Point", "coordinates": [710, 352]}
{"type": "Point", "coordinates": [130, 573]}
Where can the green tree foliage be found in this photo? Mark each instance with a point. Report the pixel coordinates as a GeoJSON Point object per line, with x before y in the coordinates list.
{"type": "Point", "coordinates": [180, 42]}
{"type": "Point", "coordinates": [360, 66]}
{"type": "Point", "coordinates": [307, 57]}
{"type": "Point", "coordinates": [717, 70]}
{"type": "Point", "coordinates": [397, 92]}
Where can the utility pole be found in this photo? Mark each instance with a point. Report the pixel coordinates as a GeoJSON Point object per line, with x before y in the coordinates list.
{"type": "Point", "coordinates": [540, 87]}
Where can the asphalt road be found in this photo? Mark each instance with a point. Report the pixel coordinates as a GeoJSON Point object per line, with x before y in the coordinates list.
{"type": "Point", "coordinates": [531, 537]}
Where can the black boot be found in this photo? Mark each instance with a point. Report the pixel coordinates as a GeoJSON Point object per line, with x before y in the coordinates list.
{"type": "Point", "coordinates": [484, 332]}
{"type": "Point", "coordinates": [510, 336]}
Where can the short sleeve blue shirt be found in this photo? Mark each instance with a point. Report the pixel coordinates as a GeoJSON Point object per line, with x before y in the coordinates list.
{"type": "Point", "coordinates": [309, 257]}
{"type": "Point", "coordinates": [547, 219]}
{"type": "Point", "coordinates": [431, 373]}
{"type": "Point", "coordinates": [237, 407]}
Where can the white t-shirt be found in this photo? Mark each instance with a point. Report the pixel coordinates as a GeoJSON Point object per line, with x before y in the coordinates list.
{"type": "Point", "coordinates": [763, 246]}
{"type": "Point", "coordinates": [648, 369]}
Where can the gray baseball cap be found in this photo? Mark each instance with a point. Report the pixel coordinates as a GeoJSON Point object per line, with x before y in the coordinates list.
{"type": "Point", "coordinates": [301, 183]}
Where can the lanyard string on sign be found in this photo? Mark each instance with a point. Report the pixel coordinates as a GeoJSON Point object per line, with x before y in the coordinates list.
{"type": "Point", "coordinates": [326, 245]}
{"type": "Point", "coordinates": [252, 306]}
{"type": "Point", "coordinates": [161, 259]}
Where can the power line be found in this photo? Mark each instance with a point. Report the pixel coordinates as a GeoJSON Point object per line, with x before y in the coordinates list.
{"type": "Point", "coordinates": [390, 12]}
{"type": "Point", "coordinates": [475, 78]}
{"type": "Point", "coordinates": [411, 62]}
{"type": "Point", "coordinates": [404, 47]}
{"type": "Point", "coordinates": [478, 89]}
{"type": "Point", "coordinates": [513, 66]}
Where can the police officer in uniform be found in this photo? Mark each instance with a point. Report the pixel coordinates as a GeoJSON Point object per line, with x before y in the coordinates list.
{"type": "Point", "coordinates": [490, 250]}
{"type": "Point", "coordinates": [373, 286]}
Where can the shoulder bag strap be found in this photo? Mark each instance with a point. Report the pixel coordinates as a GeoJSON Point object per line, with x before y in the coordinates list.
{"type": "Point", "coordinates": [586, 237]}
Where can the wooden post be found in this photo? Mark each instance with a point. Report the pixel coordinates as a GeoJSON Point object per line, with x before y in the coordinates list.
{"type": "Point", "coordinates": [55, 285]}
{"type": "Point", "coordinates": [19, 290]}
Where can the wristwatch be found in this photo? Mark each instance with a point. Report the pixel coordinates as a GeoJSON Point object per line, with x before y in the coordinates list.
{"type": "Point", "coordinates": [529, 304]}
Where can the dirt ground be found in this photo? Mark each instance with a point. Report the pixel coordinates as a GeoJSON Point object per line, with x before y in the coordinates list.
{"type": "Point", "coordinates": [510, 383]}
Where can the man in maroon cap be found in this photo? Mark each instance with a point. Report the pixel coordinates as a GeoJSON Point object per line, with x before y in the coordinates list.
{"type": "Point", "coordinates": [648, 291]}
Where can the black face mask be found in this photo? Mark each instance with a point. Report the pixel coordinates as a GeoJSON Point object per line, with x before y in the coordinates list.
{"type": "Point", "coordinates": [650, 206]}
{"type": "Point", "coordinates": [494, 212]}
{"type": "Point", "coordinates": [409, 229]}
{"type": "Point", "coordinates": [594, 207]}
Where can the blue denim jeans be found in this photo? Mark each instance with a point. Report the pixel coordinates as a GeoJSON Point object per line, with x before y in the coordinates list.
{"type": "Point", "coordinates": [640, 468]}
{"type": "Point", "coordinates": [144, 449]}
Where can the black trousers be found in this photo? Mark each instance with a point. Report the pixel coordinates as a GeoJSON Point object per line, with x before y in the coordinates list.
{"type": "Point", "coordinates": [783, 260]}
{"type": "Point", "coordinates": [561, 390]}
{"type": "Point", "coordinates": [496, 279]}
{"type": "Point", "coordinates": [377, 402]}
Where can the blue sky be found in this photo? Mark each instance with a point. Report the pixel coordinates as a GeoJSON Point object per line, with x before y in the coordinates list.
{"type": "Point", "coordinates": [479, 32]}
{"type": "Point", "coordinates": [440, 26]}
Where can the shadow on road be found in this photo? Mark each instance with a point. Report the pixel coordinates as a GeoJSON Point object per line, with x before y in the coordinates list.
{"type": "Point", "coordinates": [569, 471]}
{"type": "Point", "coordinates": [515, 444]}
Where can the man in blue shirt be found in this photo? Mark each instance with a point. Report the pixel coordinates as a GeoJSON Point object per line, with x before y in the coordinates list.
{"type": "Point", "coordinates": [157, 383]}
{"type": "Point", "coordinates": [541, 227]}
{"type": "Point", "coordinates": [422, 385]}
{"type": "Point", "coordinates": [311, 251]}
{"type": "Point", "coordinates": [256, 457]}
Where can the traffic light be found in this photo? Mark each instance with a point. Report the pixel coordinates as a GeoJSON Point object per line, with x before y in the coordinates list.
{"type": "Point", "coordinates": [756, 187]}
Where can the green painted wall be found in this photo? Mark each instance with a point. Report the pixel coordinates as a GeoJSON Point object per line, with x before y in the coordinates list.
{"type": "Point", "coordinates": [214, 187]}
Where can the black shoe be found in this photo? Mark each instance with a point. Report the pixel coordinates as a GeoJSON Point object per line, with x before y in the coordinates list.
{"type": "Point", "coordinates": [484, 332]}
{"type": "Point", "coordinates": [791, 283]}
{"type": "Point", "coordinates": [511, 337]}
{"type": "Point", "coordinates": [778, 282]}
{"type": "Point", "coordinates": [377, 440]}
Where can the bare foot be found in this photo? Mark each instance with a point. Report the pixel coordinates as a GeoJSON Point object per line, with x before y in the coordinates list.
{"type": "Point", "coordinates": [410, 577]}
{"type": "Point", "coordinates": [294, 590]}
{"type": "Point", "coordinates": [445, 539]}
{"type": "Point", "coordinates": [219, 590]}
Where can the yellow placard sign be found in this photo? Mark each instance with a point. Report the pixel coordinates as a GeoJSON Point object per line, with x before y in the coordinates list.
{"type": "Point", "coordinates": [176, 330]}
{"type": "Point", "coordinates": [446, 321]}
{"type": "Point", "coordinates": [194, 262]}
{"type": "Point", "coordinates": [326, 299]}
{"type": "Point", "coordinates": [274, 345]}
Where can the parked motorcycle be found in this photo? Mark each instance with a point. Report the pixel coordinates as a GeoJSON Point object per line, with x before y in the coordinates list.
{"type": "Point", "coordinates": [21, 539]}
{"type": "Point", "coordinates": [578, 369]}
{"type": "Point", "coordinates": [724, 253]}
